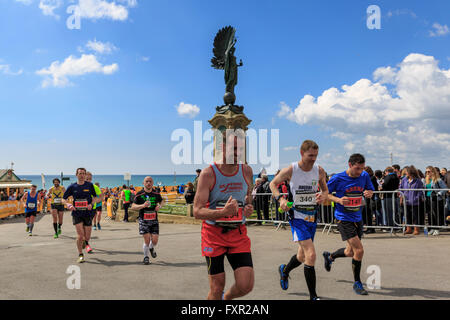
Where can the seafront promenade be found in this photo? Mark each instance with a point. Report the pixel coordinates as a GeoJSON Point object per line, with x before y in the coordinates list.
{"type": "Point", "coordinates": [412, 267]}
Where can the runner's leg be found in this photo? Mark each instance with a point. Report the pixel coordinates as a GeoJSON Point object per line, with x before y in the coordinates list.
{"type": "Point", "coordinates": [244, 282]}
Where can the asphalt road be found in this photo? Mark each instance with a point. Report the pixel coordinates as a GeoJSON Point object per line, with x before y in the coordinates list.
{"type": "Point", "coordinates": [411, 267]}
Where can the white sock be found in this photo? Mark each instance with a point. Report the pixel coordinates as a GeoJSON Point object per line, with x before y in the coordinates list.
{"type": "Point", "coordinates": [146, 250]}
{"type": "Point", "coordinates": [151, 244]}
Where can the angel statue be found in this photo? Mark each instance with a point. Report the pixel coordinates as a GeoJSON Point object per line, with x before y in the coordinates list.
{"type": "Point", "coordinates": [224, 58]}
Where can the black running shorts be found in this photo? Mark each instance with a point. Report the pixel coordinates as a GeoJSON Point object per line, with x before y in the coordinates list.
{"type": "Point", "coordinates": [58, 207]}
{"type": "Point", "coordinates": [349, 229]}
{"type": "Point", "coordinates": [85, 220]}
{"type": "Point", "coordinates": [237, 260]}
{"type": "Point", "coordinates": [29, 214]}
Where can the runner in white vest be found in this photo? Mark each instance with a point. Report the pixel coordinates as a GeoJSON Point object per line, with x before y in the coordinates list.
{"type": "Point", "coordinates": [306, 179]}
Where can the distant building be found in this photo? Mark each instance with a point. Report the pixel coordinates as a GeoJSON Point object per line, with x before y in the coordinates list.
{"type": "Point", "coordinates": [11, 182]}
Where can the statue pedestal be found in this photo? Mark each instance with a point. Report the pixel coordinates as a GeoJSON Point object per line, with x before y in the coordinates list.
{"type": "Point", "coordinates": [228, 117]}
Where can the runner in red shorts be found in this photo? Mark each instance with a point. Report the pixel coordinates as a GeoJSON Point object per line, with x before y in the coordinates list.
{"type": "Point", "coordinates": [223, 200]}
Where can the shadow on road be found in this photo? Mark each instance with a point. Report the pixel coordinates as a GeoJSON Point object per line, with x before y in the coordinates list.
{"type": "Point", "coordinates": [139, 262]}
{"type": "Point", "coordinates": [303, 294]}
{"type": "Point", "coordinates": [179, 265]}
{"type": "Point", "coordinates": [407, 292]}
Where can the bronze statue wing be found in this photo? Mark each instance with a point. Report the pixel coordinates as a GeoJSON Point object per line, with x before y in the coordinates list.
{"type": "Point", "coordinates": [222, 43]}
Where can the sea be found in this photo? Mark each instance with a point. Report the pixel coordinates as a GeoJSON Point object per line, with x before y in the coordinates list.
{"type": "Point", "coordinates": [112, 181]}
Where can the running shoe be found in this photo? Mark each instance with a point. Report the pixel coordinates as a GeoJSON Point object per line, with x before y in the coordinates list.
{"type": "Point", "coordinates": [153, 253]}
{"type": "Point", "coordinates": [146, 260]}
{"type": "Point", "coordinates": [314, 298]}
{"type": "Point", "coordinates": [81, 258]}
{"type": "Point", "coordinates": [59, 231]}
{"type": "Point", "coordinates": [95, 227]}
{"type": "Point", "coordinates": [98, 226]}
{"type": "Point", "coordinates": [88, 249]}
{"type": "Point", "coordinates": [30, 234]}
{"type": "Point", "coordinates": [328, 261]}
{"type": "Point", "coordinates": [284, 279]}
{"type": "Point", "coordinates": [359, 289]}
{"type": "Point", "coordinates": [55, 236]}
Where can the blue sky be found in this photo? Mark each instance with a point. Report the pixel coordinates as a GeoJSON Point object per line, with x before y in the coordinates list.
{"type": "Point", "coordinates": [113, 111]}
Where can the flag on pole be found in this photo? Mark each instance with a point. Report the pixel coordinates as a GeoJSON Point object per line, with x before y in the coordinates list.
{"type": "Point", "coordinates": [43, 181]}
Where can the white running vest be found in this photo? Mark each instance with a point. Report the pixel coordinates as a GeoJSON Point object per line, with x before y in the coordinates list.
{"type": "Point", "coordinates": [304, 185]}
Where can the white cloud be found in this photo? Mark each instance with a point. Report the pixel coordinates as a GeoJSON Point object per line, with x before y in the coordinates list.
{"type": "Point", "coordinates": [6, 69]}
{"type": "Point", "coordinates": [291, 148]}
{"type": "Point", "coordinates": [187, 110]}
{"type": "Point", "coordinates": [58, 74]}
{"type": "Point", "coordinates": [101, 9]}
{"type": "Point", "coordinates": [101, 47]}
{"type": "Point", "coordinates": [49, 6]}
{"type": "Point", "coordinates": [408, 119]}
{"type": "Point", "coordinates": [439, 30]}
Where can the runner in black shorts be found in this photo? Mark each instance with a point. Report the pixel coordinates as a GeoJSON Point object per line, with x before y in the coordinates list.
{"type": "Point", "coordinates": [57, 208]}
{"type": "Point", "coordinates": [350, 187]}
{"type": "Point", "coordinates": [32, 201]}
{"type": "Point", "coordinates": [148, 202]}
{"type": "Point", "coordinates": [83, 194]}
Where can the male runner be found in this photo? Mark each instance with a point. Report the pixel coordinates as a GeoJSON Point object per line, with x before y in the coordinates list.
{"type": "Point", "coordinates": [350, 187]}
{"type": "Point", "coordinates": [57, 208]}
{"type": "Point", "coordinates": [83, 194]}
{"type": "Point", "coordinates": [32, 200]}
{"type": "Point", "coordinates": [97, 206]}
{"type": "Point", "coordinates": [223, 200]}
{"type": "Point", "coordinates": [148, 202]}
{"type": "Point", "coordinates": [305, 179]}
{"type": "Point", "coordinates": [126, 196]}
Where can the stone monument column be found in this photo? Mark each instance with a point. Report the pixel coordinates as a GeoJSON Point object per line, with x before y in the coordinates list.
{"type": "Point", "coordinates": [228, 116]}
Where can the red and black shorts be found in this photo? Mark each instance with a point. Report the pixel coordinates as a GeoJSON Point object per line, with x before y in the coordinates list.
{"type": "Point", "coordinates": [216, 244]}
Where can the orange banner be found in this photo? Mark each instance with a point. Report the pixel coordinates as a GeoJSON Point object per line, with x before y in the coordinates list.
{"type": "Point", "coordinates": [8, 208]}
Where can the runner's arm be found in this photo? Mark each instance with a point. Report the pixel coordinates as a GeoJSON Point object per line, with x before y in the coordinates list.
{"type": "Point", "coordinates": [323, 186]}
{"type": "Point", "coordinates": [284, 175]}
{"type": "Point", "coordinates": [248, 206]}
{"type": "Point", "coordinates": [24, 197]}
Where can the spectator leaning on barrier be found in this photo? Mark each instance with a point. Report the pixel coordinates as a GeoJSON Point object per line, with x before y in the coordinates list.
{"type": "Point", "coordinates": [367, 212]}
{"type": "Point", "coordinates": [264, 199]}
{"type": "Point", "coordinates": [443, 173]}
{"type": "Point", "coordinates": [377, 209]}
{"type": "Point", "coordinates": [256, 200]}
{"type": "Point", "coordinates": [189, 194]}
{"type": "Point", "coordinates": [414, 199]}
{"type": "Point", "coordinates": [447, 182]}
{"type": "Point", "coordinates": [435, 200]}
{"type": "Point", "coordinates": [390, 183]}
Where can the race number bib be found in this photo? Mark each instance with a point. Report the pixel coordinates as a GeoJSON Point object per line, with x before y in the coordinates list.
{"type": "Point", "coordinates": [31, 205]}
{"type": "Point", "coordinates": [81, 204]}
{"type": "Point", "coordinates": [305, 200]}
{"type": "Point", "coordinates": [354, 203]}
{"type": "Point", "coordinates": [150, 216]}
{"type": "Point", "coordinates": [236, 218]}
{"type": "Point", "coordinates": [57, 200]}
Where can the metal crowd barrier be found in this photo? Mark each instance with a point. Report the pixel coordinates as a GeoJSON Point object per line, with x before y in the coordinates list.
{"type": "Point", "coordinates": [428, 209]}
{"type": "Point", "coordinates": [383, 211]}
